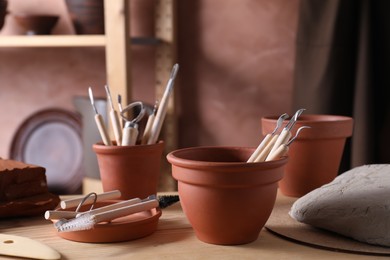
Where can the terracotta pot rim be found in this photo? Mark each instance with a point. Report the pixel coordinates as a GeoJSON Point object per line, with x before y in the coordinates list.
{"type": "Point", "coordinates": [323, 126]}
{"type": "Point", "coordinates": [113, 149]}
{"type": "Point", "coordinates": [175, 159]}
{"type": "Point", "coordinates": [316, 118]}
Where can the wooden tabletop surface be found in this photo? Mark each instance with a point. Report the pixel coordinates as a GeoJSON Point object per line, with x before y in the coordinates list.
{"type": "Point", "coordinates": [174, 239]}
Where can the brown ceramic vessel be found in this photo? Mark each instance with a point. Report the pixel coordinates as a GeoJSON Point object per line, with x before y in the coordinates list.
{"type": "Point", "coordinates": [134, 170]}
{"type": "Point", "coordinates": [226, 200]}
{"type": "Point", "coordinates": [3, 12]}
{"type": "Point", "coordinates": [36, 24]}
{"type": "Point", "coordinates": [87, 15]}
{"type": "Point", "coordinates": [315, 156]}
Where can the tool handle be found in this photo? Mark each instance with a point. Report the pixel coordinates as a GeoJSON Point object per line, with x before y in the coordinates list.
{"type": "Point", "coordinates": [124, 211]}
{"type": "Point", "coordinates": [148, 129]}
{"type": "Point", "coordinates": [260, 148]}
{"type": "Point", "coordinates": [102, 129]}
{"type": "Point", "coordinates": [130, 135]}
{"type": "Point", "coordinates": [281, 151]}
{"type": "Point", "coordinates": [116, 125]}
{"type": "Point", "coordinates": [58, 214]}
{"type": "Point", "coordinates": [160, 116]}
{"type": "Point", "coordinates": [117, 205]}
{"type": "Point", "coordinates": [264, 153]}
{"type": "Point", "coordinates": [282, 139]}
{"type": "Point", "coordinates": [115, 194]}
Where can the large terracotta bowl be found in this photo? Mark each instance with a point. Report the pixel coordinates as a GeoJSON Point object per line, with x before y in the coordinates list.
{"type": "Point", "coordinates": [226, 200]}
{"type": "Point", "coordinates": [315, 156]}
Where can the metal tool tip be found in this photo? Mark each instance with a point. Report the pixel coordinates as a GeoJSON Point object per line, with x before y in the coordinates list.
{"type": "Point", "coordinates": [174, 71]}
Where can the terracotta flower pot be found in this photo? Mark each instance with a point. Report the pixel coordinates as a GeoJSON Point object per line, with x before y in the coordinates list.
{"type": "Point", "coordinates": [226, 200]}
{"type": "Point", "coordinates": [315, 156]}
{"type": "Point", "coordinates": [134, 170]}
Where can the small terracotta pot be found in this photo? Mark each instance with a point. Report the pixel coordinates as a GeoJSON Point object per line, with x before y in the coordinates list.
{"type": "Point", "coordinates": [315, 156]}
{"type": "Point", "coordinates": [226, 200]}
{"type": "Point", "coordinates": [134, 170]}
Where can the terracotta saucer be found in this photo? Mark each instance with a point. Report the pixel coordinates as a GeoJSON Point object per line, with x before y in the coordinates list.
{"type": "Point", "coordinates": [127, 228]}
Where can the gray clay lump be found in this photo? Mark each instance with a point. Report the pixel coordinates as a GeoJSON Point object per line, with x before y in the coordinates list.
{"type": "Point", "coordinates": [356, 204]}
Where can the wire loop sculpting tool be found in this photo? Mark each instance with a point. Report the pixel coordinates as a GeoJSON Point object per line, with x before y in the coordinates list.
{"type": "Point", "coordinates": [99, 121]}
{"type": "Point", "coordinates": [283, 148]}
{"type": "Point", "coordinates": [116, 125]}
{"type": "Point", "coordinates": [162, 109]}
{"type": "Point", "coordinates": [130, 130]}
{"type": "Point", "coordinates": [267, 139]}
{"type": "Point", "coordinates": [286, 132]}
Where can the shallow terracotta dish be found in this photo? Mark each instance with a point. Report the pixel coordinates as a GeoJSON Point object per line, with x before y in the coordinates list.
{"type": "Point", "coordinates": [127, 228]}
{"type": "Point", "coordinates": [226, 200]}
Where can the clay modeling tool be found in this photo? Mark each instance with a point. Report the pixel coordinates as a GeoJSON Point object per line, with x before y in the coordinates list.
{"type": "Point", "coordinates": [130, 134]}
{"type": "Point", "coordinates": [71, 203]}
{"type": "Point", "coordinates": [163, 107]}
{"type": "Point", "coordinates": [88, 221]}
{"type": "Point", "coordinates": [149, 124]}
{"type": "Point", "coordinates": [265, 152]}
{"type": "Point", "coordinates": [120, 109]}
{"type": "Point", "coordinates": [116, 126]}
{"type": "Point", "coordinates": [99, 121]}
{"type": "Point", "coordinates": [130, 130]}
{"type": "Point", "coordinates": [286, 132]}
{"type": "Point", "coordinates": [267, 139]}
{"type": "Point", "coordinates": [283, 148]}
{"type": "Point", "coordinates": [60, 214]}
{"type": "Point", "coordinates": [17, 246]}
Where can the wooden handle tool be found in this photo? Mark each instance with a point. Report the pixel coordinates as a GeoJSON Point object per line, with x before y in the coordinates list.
{"type": "Point", "coordinates": [99, 121]}
{"type": "Point", "coordinates": [163, 107]}
{"type": "Point", "coordinates": [116, 125]}
{"type": "Point", "coordinates": [130, 134]}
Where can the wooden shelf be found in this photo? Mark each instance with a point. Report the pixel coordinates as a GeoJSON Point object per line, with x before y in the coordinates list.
{"type": "Point", "coordinates": [53, 41]}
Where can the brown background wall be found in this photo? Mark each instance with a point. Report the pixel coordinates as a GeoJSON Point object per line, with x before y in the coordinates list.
{"type": "Point", "coordinates": [236, 58]}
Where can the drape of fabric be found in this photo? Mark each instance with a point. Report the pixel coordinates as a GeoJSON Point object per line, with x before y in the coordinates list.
{"type": "Point", "coordinates": [343, 67]}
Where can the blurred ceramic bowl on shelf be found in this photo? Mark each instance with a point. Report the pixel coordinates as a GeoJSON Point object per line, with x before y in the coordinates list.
{"type": "Point", "coordinates": [36, 24]}
{"type": "Point", "coordinates": [3, 12]}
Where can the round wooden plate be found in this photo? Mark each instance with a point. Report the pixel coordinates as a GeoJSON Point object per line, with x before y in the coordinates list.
{"type": "Point", "coordinates": [51, 138]}
{"type": "Point", "coordinates": [281, 224]}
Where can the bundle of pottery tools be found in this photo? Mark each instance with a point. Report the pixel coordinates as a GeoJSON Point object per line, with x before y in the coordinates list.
{"type": "Point", "coordinates": [75, 220]}
{"type": "Point", "coordinates": [274, 145]}
{"type": "Point", "coordinates": [129, 134]}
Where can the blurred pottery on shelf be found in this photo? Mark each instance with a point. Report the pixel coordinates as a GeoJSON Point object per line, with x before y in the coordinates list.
{"type": "Point", "coordinates": [35, 24]}
{"type": "Point", "coordinates": [87, 16]}
{"type": "Point", "coordinates": [3, 12]}
{"type": "Point", "coordinates": [315, 156]}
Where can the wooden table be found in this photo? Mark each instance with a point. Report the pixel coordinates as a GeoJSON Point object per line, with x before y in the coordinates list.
{"type": "Point", "coordinates": [174, 239]}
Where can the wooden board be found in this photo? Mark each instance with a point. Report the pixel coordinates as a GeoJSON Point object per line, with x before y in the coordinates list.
{"type": "Point", "coordinates": [282, 224]}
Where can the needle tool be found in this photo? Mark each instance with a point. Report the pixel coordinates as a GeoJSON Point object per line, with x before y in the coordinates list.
{"type": "Point", "coordinates": [130, 130]}
{"type": "Point", "coordinates": [283, 148]}
{"type": "Point", "coordinates": [163, 107]}
{"type": "Point", "coordinates": [149, 125]}
{"type": "Point", "coordinates": [99, 121]}
{"type": "Point", "coordinates": [116, 126]}
{"type": "Point", "coordinates": [267, 139]}
{"type": "Point", "coordinates": [286, 132]}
